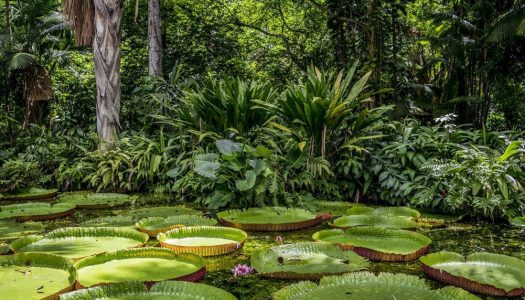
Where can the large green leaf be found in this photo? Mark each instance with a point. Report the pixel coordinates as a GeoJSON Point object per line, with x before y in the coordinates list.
{"type": "Point", "coordinates": [378, 243]}
{"type": "Point", "coordinates": [268, 218]}
{"type": "Point", "coordinates": [374, 220]}
{"type": "Point", "coordinates": [111, 221]}
{"type": "Point", "coordinates": [179, 290]}
{"type": "Point", "coordinates": [27, 276]}
{"type": "Point", "coordinates": [384, 211]}
{"type": "Point", "coordinates": [247, 183]}
{"type": "Point", "coordinates": [306, 261]}
{"type": "Point", "coordinates": [227, 147]}
{"type": "Point", "coordinates": [31, 194]}
{"type": "Point", "coordinates": [156, 225]}
{"type": "Point", "coordinates": [78, 242]}
{"type": "Point", "coordinates": [203, 240]}
{"type": "Point", "coordinates": [365, 285]}
{"type": "Point", "coordinates": [36, 211]}
{"type": "Point", "coordinates": [11, 230]}
{"type": "Point", "coordinates": [98, 200]}
{"type": "Point", "coordinates": [486, 270]}
{"type": "Point", "coordinates": [158, 211]}
{"type": "Point", "coordinates": [141, 264]}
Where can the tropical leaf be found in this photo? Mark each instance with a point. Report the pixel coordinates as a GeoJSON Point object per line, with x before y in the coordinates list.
{"type": "Point", "coordinates": [203, 240]}
{"type": "Point", "coordinates": [155, 225]}
{"type": "Point", "coordinates": [36, 276]}
{"type": "Point", "coordinates": [31, 194]}
{"type": "Point", "coordinates": [36, 211]}
{"type": "Point", "coordinates": [396, 222]}
{"type": "Point", "coordinates": [480, 272]}
{"type": "Point", "coordinates": [141, 264]}
{"type": "Point", "coordinates": [269, 218]}
{"type": "Point", "coordinates": [79, 242]}
{"type": "Point", "coordinates": [365, 285]}
{"type": "Point", "coordinates": [378, 243]}
{"type": "Point", "coordinates": [247, 183]}
{"type": "Point", "coordinates": [98, 200]}
{"type": "Point", "coordinates": [165, 289]}
{"type": "Point", "coordinates": [227, 147]}
{"type": "Point", "coordinates": [306, 261]}
{"type": "Point", "coordinates": [384, 211]}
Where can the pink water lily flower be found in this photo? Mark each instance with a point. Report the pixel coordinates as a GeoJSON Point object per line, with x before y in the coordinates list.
{"type": "Point", "coordinates": [242, 270]}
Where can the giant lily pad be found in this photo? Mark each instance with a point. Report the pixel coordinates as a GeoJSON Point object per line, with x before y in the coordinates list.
{"type": "Point", "coordinates": [378, 243]}
{"type": "Point", "coordinates": [306, 261]}
{"type": "Point", "coordinates": [111, 221]}
{"type": "Point", "coordinates": [365, 285]}
{"type": "Point", "coordinates": [98, 200]}
{"type": "Point", "coordinates": [180, 290]}
{"type": "Point", "coordinates": [269, 219]}
{"type": "Point", "coordinates": [36, 211]}
{"type": "Point", "coordinates": [374, 220]}
{"type": "Point", "coordinates": [12, 230]}
{"type": "Point", "coordinates": [78, 242]}
{"type": "Point", "coordinates": [140, 264]}
{"type": "Point", "coordinates": [335, 208]}
{"type": "Point", "coordinates": [155, 225]}
{"type": "Point", "coordinates": [27, 276]}
{"type": "Point", "coordinates": [481, 272]}
{"type": "Point", "coordinates": [32, 194]}
{"type": "Point", "coordinates": [203, 240]}
{"type": "Point", "coordinates": [384, 211]}
{"type": "Point", "coordinates": [159, 211]}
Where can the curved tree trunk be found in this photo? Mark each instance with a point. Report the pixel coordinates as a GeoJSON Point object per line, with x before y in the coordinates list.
{"type": "Point", "coordinates": [154, 38]}
{"type": "Point", "coordinates": [106, 50]}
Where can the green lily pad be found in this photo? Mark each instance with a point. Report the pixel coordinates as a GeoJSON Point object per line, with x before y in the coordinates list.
{"type": "Point", "coordinates": [12, 230]}
{"type": "Point", "coordinates": [384, 211]}
{"type": "Point", "coordinates": [481, 272]}
{"type": "Point", "coordinates": [180, 290]}
{"type": "Point", "coordinates": [111, 221]}
{"type": "Point", "coordinates": [160, 211]}
{"type": "Point", "coordinates": [336, 208]}
{"type": "Point", "coordinates": [306, 261]}
{"type": "Point", "coordinates": [365, 285]}
{"type": "Point", "coordinates": [155, 225]}
{"type": "Point", "coordinates": [269, 218]}
{"type": "Point", "coordinates": [141, 264]}
{"type": "Point", "coordinates": [374, 220]}
{"type": "Point", "coordinates": [98, 200]}
{"type": "Point", "coordinates": [28, 276]}
{"type": "Point", "coordinates": [36, 211]}
{"type": "Point", "coordinates": [378, 243]}
{"type": "Point", "coordinates": [31, 194]}
{"type": "Point", "coordinates": [78, 242]}
{"type": "Point", "coordinates": [203, 240]}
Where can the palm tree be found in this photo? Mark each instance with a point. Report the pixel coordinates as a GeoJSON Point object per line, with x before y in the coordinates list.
{"type": "Point", "coordinates": [510, 24]}
{"type": "Point", "coordinates": [98, 23]}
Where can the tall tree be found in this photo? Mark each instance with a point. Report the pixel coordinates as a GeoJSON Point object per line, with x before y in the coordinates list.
{"type": "Point", "coordinates": [98, 22]}
{"type": "Point", "coordinates": [154, 38]}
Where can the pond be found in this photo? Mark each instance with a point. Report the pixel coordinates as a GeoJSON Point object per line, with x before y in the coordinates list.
{"type": "Point", "coordinates": [459, 237]}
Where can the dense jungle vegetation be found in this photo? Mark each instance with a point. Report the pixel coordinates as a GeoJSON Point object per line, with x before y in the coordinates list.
{"type": "Point", "coordinates": [234, 104]}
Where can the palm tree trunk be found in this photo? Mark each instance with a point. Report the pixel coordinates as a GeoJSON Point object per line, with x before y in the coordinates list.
{"type": "Point", "coordinates": [107, 53]}
{"type": "Point", "coordinates": [154, 38]}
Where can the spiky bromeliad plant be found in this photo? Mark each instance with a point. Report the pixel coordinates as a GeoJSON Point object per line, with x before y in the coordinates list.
{"type": "Point", "coordinates": [321, 105]}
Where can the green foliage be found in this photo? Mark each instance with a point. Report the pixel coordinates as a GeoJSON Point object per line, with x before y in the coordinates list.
{"type": "Point", "coordinates": [478, 181]}
{"type": "Point", "coordinates": [16, 175]}
{"type": "Point", "coordinates": [237, 176]}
